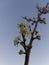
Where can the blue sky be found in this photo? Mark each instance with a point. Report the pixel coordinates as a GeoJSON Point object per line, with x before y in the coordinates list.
{"type": "Point", "coordinates": [11, 12]}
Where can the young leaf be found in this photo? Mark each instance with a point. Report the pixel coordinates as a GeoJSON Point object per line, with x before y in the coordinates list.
{"type": "Point", "coordinates": [42, 21]}
{"type": "Point", "coordinates": [21, 52]}
{"type": "Point", "coordinates": [38, 37]}
{"type": "Point", "coordinates": [40, 9]}
{"type": "Point", "coordinates": [29, 47]}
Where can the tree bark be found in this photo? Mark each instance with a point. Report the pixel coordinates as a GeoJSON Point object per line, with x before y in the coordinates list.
{"type": "Point", "coordinates": [27, 56]}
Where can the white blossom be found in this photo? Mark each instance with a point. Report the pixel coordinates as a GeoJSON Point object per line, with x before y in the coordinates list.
{"type": "Point", "coordinates": [24, 29]}
{"type": "Point", "coordinates": [16, 40]}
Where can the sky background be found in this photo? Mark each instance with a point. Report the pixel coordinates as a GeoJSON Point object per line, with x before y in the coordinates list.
{"type": "Point", "coordinates": [11, 12]}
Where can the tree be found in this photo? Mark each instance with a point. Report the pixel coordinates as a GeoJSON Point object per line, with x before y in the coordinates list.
{"type": "Point", "coordinates": [29, 30]}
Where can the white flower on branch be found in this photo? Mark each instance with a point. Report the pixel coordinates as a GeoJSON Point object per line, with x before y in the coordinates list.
{"type": "Point", "coordinates": [24, 29]}
{"type": "Point", "coordinates": [16, 41]}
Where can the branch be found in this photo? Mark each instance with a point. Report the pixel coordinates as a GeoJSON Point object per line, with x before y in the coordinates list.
{"type": "Point", "coordinates": [23, 36]}
{"type": "Point", "coordinates": [32, 35]}
{"type": "Point", "coordinates": [47, 5]}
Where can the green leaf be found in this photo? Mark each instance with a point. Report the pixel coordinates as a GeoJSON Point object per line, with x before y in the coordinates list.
{"type": "Point", "coordinates": [38, 37]}
{"type": "Point", "coordinates": [21, 52]}
{"type": "Point", "coordinates": [40, 9]}
{"type": "Point", "coordinates": [22, 43]}
{"type": "Point", "coordinates": [42, 21]}
{"type": "Point", "coordinates": [29, 47]}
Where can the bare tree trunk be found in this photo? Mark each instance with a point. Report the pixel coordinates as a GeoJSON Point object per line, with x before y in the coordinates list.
{"type": "Point", "coordinates": [27, 56]}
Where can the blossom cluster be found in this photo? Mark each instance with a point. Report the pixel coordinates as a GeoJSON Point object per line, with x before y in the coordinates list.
{"type": "Point", "coordinates": [24, 29]}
